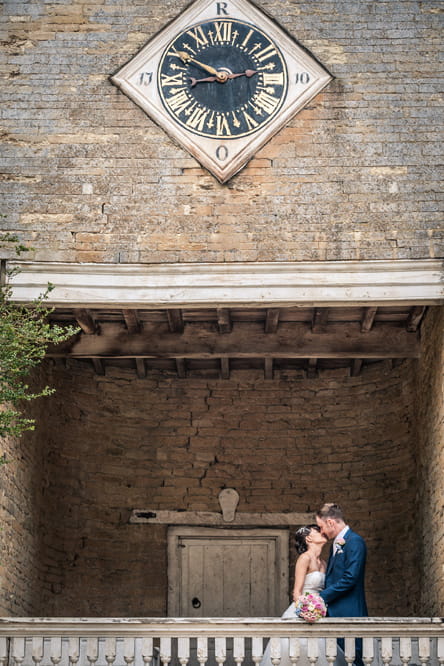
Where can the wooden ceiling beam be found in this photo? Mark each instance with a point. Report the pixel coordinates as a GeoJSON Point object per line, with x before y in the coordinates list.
{"type": "Point", "coordinates": [175, 321]}
{"type": "Point", "coordinates": [312, 368]}
{"type": "Point", "coordinates": [98, 366]}
{"type": "Point", "coordinates": [141, 368]}
{"type": "Point", "coordinates": [181, 368]}
{"type": "Point", "coordinates": [268, 368]}
{"type": "Point", "coordinates": [85, 321]}
{"type": "Point", "coordinates": [368, 319]}
{"type": "Point", "coordinates": [224, 320]}
{"type": "Point", "coordinates": [356, 367]}
{"type": "Point", "coordinates": [415, 317]}
{"type": "Point", "coordinates": [131, 320]}
{"type": "Point", "coordinates": [225, 367]}
{"type": "Point", "coordinates": [272, 320]}
{"type": "Point", "coordinates": [320, 320]}
{"type": "Point", "coordinates": [247, 340]}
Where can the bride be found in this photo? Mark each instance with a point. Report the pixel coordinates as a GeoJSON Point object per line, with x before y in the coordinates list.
{"type": "Point", "coordinates": [309, 577]}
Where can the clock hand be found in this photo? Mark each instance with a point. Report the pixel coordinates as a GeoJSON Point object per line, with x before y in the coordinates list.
{"type": "Point", "coordinates": [185, 57]}
{"type": "Point", "coordinates": [248, 73]}
{"type": "Point", "coordinates": [208, 78]}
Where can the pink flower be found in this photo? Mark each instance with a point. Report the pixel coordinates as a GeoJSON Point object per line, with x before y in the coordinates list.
{"type": "Point", "coordinates": [310, 607]}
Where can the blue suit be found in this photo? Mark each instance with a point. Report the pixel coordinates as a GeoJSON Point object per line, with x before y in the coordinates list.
{"type": "Point", "coordinates": [344, 591]}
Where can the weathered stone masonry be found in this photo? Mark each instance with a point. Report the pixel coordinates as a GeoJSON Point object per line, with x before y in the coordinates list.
{"type": "Point", "coordinates": [121, 443]}
{"type": "Point", "coordinates": [353, 176]}
{"type": "Point", "coordinates": [86, 176]}
{"type": "Point", "coordinates": [429, 524]}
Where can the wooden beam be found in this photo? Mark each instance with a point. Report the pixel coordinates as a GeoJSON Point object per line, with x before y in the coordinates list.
{"type": "Point", "coordinates": [320, 320]}
{"type": "Point", "coordinates": [98, 366]}
{"type": "Point", "coordinates": [3, 272]}
{"type": "Point", "coordinates": [171, 517]}
{"type": "Point", "coordinates": [232, 284]}
{"type": "Point", "coordinates": [224, 320]}
{"type": "Point", "coordinates": [141, 368]}
{"type": "Point", "coordinates": [272, 320]}
{"type": "Point", "coordinates": [225, 367]}
{"type": "Point", "coordinates": [247, 340]}
{"type": "Point", "coordinates": [268, 368]}
{"type": "Point", "coordinates": [85, 321]}
{"type": "Point", "coordinates": [175, 321]}
{"type": "Point", "coordinates": [131, 320]}
{"type": "Point", "coordinates": [415, 317]}
{"type": "Point", "coordinates": [181, 368]}
{"type": "Point", "coordinates": [367, 319]}
{"type": "Point", "coordinates": [312, 368]}
{"type": "Point", "coordinates": [356, 367]}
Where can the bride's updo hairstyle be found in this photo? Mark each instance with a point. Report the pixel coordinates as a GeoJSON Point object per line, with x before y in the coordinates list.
{"type": "Point", "coordinates": [300, 538]}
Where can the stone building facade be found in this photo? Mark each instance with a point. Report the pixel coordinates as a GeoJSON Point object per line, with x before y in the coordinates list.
{"type": "Point", "coordinates": [88, 177]}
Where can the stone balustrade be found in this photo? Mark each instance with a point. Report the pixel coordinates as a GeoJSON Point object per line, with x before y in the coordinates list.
{"type": "Point", "coordinates": [211, 641]}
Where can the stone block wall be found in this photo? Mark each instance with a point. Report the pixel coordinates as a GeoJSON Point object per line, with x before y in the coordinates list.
{"type": "Point", "coordinates": [116, 442]}
{"type": "Point", "coordinates": [88, 177]}
{"type": "Point", "coordinates": [21, 532]}
{"type": "Point", "coordinates": [428, 533]}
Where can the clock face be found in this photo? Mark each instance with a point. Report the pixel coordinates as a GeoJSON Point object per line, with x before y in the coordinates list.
{"type": "Point", "coordinates": [222, 79]}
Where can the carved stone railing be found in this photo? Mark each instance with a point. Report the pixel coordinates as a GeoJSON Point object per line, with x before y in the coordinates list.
{"type": "Point", "coordinates": [217, 641]}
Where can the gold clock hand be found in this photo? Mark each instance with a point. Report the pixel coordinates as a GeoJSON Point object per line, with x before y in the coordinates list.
{"type": "Point", "coordinates": [185, 57]}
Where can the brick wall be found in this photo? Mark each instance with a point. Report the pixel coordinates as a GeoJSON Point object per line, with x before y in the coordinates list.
{"type": "Point", "coordinates": [428, 534]}
{"type": "Point", "coordinates": [118, 442]}
{"type": "Point", "coordinates": [87, 176]}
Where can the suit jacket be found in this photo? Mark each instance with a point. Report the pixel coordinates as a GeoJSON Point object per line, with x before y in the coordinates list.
{"type": "Point", "coordinates": [344, 591]}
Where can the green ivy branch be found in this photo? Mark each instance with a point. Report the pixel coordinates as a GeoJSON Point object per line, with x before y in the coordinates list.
{"type": "Point", "coordinates": [25, 333]}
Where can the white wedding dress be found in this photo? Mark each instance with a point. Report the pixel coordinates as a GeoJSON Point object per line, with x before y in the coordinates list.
{"type": "Point", "coordinates": [314, 582]}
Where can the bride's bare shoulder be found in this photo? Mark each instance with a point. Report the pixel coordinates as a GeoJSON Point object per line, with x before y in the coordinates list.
{"type": "Point", "coordinates": [304, 557]}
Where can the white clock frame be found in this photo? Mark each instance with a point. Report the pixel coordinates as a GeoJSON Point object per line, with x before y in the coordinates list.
{"type": "Point", "coordinates": [221, 156]}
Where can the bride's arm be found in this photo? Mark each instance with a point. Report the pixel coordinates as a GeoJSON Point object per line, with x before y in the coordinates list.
{"type": "Point", "coordinates": [300, 572]}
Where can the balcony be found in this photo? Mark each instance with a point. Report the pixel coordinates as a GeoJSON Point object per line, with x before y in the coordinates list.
{"type": "Point", "coordinates": [216, 641]}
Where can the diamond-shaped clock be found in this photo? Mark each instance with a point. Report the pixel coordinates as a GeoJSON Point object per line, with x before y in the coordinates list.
{"type": "Point", "coordinates": [222, 78]}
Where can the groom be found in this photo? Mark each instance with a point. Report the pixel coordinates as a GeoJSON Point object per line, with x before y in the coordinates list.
{"type": "Point", "coordinates": [344, 591]}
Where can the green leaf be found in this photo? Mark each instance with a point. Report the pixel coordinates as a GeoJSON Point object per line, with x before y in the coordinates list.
{"type": "Point", "coordinates": [25, 334]}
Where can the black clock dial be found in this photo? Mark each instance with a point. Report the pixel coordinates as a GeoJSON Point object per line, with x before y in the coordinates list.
{"type": "Point", "coordinates": [223, 78]}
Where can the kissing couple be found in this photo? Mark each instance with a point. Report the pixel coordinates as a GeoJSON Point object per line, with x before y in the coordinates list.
{"type": "Point", "coordinates": [340, 581]}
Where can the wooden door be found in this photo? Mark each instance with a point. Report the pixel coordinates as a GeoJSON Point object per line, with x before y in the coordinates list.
{"type": "Point", "coordinates": [227, 573]}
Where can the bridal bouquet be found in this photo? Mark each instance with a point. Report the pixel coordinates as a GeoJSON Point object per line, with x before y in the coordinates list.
{"type": "Point", "coordinates": [310, 607]}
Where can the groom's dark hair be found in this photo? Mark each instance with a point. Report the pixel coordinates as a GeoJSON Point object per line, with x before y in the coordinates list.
{"type": "Point", "coordinates": [331, 511]}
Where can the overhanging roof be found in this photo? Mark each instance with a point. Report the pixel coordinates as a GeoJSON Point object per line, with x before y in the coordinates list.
{"type": "Point", "coordinates": [233, 284]}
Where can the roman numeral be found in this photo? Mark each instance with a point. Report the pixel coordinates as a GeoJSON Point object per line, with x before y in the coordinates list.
{"type": "Point", "coordinates": [174, 80]}
{"type": "Point", "coordinates": [273, 79]}
{"type": "Point", "coordinates": [266, 102]}
{"type": "Point", "coordinates": [179, 101]}
{"type": "Point", "coordinates": [245, 42]}
{"type": "Point", "coordinates": [266, 53]}
{"type": "Point", "coordinates": [197, 119]}
{"type": "Point", "coordinates": [223, 31]}
{"type": "Point", "coordinates": [222, 126]}
{"type": "Point", "coordinates": [198, 35]}
{"type": "Point", "coordinates": [250, 121]}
